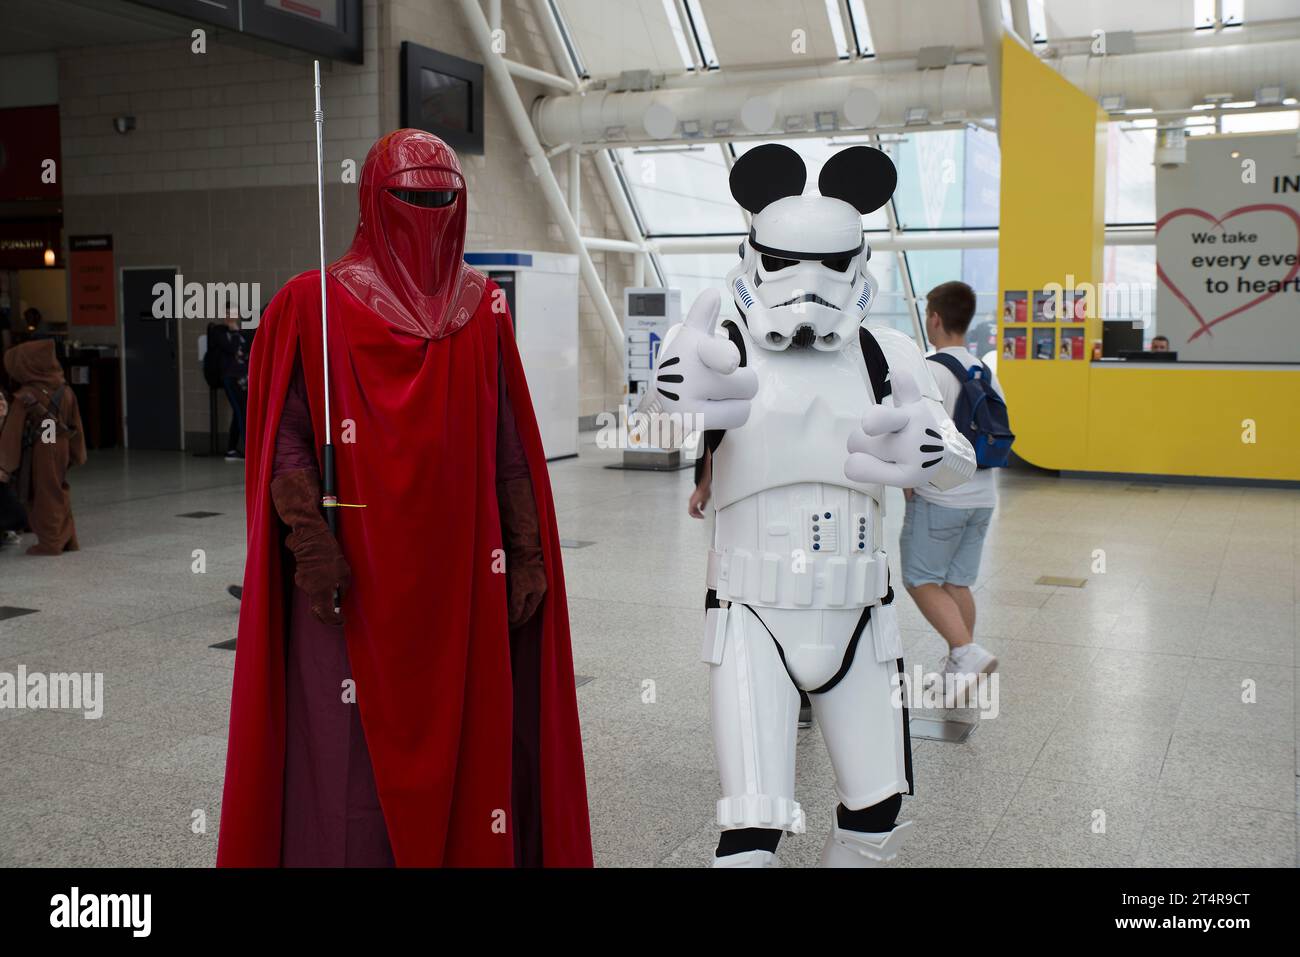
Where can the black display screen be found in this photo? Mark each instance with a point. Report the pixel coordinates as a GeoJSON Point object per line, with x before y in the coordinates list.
{"type": "Point", "coordinates": [445, 101]}
{"type": "Point", "coordinates": [645, 304]}
{"type": "Point", "coordinates": [443, 94]}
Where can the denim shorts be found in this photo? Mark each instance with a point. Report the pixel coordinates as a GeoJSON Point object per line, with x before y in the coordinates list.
{"type": "Point", "coordinates": [941, 545]}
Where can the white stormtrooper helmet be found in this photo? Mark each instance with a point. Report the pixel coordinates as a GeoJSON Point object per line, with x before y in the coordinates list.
{"type": "Point", "coordinates": [802, 279]}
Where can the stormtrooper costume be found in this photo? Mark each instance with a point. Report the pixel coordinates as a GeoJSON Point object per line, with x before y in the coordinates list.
{"type": "Point", "coordinates": [809, 414]}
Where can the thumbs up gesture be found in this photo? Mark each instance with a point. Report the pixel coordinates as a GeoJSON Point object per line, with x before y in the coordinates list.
{"type": "Point", "coordinates": [911, 444]}
{"type": "Point", "coordinates": [699, 372]}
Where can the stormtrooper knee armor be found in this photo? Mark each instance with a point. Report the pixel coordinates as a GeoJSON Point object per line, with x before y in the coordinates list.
{"type": "Point", "coordinates": [809, 413]}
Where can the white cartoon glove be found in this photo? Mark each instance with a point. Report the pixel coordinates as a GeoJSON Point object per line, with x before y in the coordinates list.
{"type": "Point", "coordinates": [699, 372]}
{"type": "Point", "coordinates": [909, 445]}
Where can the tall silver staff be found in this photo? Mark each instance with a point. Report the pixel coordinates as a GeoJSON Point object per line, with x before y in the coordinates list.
{"type": "Point", "coordinates": [328, 499]}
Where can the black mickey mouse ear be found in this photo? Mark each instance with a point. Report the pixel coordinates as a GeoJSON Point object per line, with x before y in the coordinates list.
{"type": "Point", "coordinates": [862, 176]}
{"type": "Point", "coordinates": [765, 174]}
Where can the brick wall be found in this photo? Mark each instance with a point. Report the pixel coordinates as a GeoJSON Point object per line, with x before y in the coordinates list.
{"type": "Point", "coordinates": [218, 178]}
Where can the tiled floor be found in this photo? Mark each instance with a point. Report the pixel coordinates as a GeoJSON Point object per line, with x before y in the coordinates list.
{"type": "Point", "coordinates": [1122, 739]}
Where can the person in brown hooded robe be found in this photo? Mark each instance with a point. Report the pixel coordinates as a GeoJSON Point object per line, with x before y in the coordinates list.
{"type": "Point", "coordinates": [40, 472]}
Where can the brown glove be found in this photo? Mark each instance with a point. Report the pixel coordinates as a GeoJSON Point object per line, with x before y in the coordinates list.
{"type": "Point", "coordinates": [321, 568]}
{"type": "Point", "coordinates": [525, 568]}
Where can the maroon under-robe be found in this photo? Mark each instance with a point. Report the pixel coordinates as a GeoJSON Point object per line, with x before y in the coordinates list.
{"type": "Point", "coordinates": [332, 814]}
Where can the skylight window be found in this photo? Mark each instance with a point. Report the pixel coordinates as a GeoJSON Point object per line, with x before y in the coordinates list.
{"type": "Point", "coordinates": [679, 34]}
{"type": "Point", "coordinates": [861, 29]}
{"type": "Point", "coordinates": [1232, 14]}
{"type": "Point", "coordinates": [842, 47]}
{"type": "Point", "coordinates": [700, 28]}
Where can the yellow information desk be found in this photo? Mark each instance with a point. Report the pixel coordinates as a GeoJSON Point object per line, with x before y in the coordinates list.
{"type": "Point", "coordinates": [1206, 420]}
{"type": "Point", "coordinates": [1147, 418]}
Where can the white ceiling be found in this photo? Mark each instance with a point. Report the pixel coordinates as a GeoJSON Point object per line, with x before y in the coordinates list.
{"type": "Point", "coordinates": [902, 28]}
{"type": "Point", "coordinates": [617, 35]}
{"type": "Point", "coordinates": [762, 32]}
{"type": "Point", "coordinates": [1079, 18]}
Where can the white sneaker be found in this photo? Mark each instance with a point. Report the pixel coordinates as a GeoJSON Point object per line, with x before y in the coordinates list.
{"type": "Point", "coordinates": [967, 662]}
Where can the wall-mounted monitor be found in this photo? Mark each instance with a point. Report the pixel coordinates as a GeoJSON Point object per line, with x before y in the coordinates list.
{"type": "Point", "coordinates": [443, 95]}
{"type": "Point", "coordinates": [330, 28]}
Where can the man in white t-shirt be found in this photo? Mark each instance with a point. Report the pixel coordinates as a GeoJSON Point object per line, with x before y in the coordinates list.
{"type": "Point", "coordinates": [943, 532]}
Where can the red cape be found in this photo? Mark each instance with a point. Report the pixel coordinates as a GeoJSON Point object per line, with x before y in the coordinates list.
{"type": "Point", "coordinates": [426, 614]}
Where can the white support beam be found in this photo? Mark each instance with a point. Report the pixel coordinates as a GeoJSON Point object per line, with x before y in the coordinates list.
{"type": "Point", "coordinates": [575, 187]}
{"type": "Point", "coordinates": [526, 72]}
{"type": "Point", "coordinates": [991, 25]}
{"type": "Point", "coordinates": [541, 166]}
{"type": "Point", "coordinates": [606, 245]}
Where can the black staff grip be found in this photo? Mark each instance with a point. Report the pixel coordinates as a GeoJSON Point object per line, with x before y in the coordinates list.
{"type": "Point", "coordinates": [329, 493]}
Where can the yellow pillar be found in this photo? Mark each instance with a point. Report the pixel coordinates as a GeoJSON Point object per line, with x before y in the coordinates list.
{"type": "Point", "coordinates": [1051, 231]}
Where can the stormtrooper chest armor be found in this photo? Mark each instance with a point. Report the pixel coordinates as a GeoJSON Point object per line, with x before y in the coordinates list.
{"type": "Point", "coordinates": [791, 530]}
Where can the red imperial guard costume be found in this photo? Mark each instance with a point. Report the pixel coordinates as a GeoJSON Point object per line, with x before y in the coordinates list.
{"type": "Point", "coordinates": [434, 722]}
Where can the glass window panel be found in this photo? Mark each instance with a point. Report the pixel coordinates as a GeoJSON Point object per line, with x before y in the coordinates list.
{"type": "Point", "coordinates": [1130, 175]}
{"type": "Point", "coordinates": [693, 273]}
{"type": "Point", "coordinates": [1130, 285]}
{"type": "Point", "coordinates": [891, 307]}
{"type": "Point", "coordinates": [978, 268]}
{"type": "Point", "coordinates": [1260, 122]}
{"type": "Point", "coordinates": [930, 167]}
{"type": "Point", "coordinates": [983, 178]}
{"type": "Point", "coordinates": [682, 191]}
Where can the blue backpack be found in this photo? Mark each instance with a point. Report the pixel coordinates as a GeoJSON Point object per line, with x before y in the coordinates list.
{"type": "Point", "coordinates": [981, 414]}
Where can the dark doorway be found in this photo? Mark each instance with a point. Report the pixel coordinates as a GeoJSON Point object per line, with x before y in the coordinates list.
{"type": "Point", "coordinates": [151, 363]}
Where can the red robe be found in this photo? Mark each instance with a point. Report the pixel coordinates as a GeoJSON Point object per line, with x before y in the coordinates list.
{"type": "Point", "coordinates": [426, 613]}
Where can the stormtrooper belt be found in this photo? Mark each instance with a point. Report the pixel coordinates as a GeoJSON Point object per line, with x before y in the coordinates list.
{"type": "Point", "coordinates": [811, 581]}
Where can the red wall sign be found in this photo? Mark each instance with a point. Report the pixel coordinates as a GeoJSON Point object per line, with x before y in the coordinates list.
{"type": "Point", "coordinates": [92, 295]}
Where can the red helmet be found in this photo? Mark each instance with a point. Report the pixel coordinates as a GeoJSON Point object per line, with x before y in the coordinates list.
{"type": "Point", "coordinates": [406, 261]}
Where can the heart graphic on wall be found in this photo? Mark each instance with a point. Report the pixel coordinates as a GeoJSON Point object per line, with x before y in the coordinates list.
{"type": "Point", "coordinates": [1219, 267]}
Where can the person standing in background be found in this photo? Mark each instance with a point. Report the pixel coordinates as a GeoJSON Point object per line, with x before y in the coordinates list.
{"type": "Point", "coordinates": [943, 532]}
{"type": "Point", "coordinates": [229, 345]}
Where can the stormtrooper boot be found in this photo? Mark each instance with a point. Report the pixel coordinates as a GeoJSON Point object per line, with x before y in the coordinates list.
{"type": "Point", "coordinates": [747, 859]}
{"type": "Point", "coordinates": [845, 848]}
